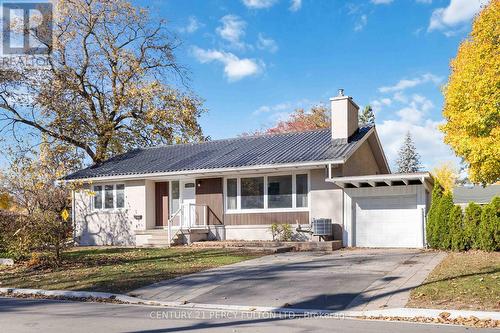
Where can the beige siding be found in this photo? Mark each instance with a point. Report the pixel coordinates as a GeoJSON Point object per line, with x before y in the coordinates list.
{"type": "Point", "coordinates": [326, 200]}
{"type": "Point", "coordinates": [362, 162]}
{"type": "Point", "coordinates": [266, 218]}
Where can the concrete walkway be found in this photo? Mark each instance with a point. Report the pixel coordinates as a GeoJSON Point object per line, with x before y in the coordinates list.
{"type": "Point", "coordinates": [360, 279]}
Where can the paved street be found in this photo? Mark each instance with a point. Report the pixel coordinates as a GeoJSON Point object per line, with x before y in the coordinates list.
{"type": "Point", "coordinates": [358, 279]}
{"type": "Point", "coordinates": [21, 315]}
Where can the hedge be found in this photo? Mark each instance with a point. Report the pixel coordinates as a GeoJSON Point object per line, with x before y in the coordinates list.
{"type": "Point", "coordinates": [448, 228]}
{"type": "Point", "coordinates": [472, 219]}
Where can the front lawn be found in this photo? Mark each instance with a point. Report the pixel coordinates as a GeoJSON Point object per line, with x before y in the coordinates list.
{"type": "Point", "coordinates": [467, 280]}
{"type": "Point", "coordinates": [119, 270]}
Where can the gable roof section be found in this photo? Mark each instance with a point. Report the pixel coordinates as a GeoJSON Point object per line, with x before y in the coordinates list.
{"type": "Point", "coordinates": [273, 150]}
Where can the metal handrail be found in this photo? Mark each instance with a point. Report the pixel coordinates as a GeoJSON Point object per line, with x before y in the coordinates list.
{"type": "Point", "coordinates": [191, 221]}
{"type": "Point", "coordinates": [169, 225]}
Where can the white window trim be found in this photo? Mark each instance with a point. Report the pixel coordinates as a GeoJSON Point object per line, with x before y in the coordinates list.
{"type": "Point", "coordinates": [266, 209]}
{"type": "Point", "coordinates": [103, 196]}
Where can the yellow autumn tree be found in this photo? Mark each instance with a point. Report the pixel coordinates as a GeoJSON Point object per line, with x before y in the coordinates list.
{"type": "Point", "coordinates": [472, 98]}
{"type": "Point", "coordinates": [446, 174]}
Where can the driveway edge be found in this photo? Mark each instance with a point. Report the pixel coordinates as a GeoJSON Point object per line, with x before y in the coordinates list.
{"type": "Point", "coordinates": [404, 313]}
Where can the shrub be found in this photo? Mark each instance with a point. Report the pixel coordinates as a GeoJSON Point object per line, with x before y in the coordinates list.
{"type": "Point", "coordinates": [275, 229]}
{"type": "Point", "coordinates": [287, 233]}
{"type": "Point", "coordinates": [489, 228]}
{"type": "Point", "coordinates": [431, 227]}
{"type": "Point", "coordinates": [281, 232]}
{"type": "Point", "coordinates": [443, 215]}
{"type": "Point", "coordinates": [472, 219]}
{"type": "Point", "coordinates": [456, 229]}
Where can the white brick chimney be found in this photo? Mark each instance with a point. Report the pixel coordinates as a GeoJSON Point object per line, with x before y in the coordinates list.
{"type": "Point", "coordinates": [344, 116]}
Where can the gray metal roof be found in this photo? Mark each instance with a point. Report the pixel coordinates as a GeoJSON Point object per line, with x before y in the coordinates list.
{"type": "Point", "coordinates": [477, 194]}
{"type": "Point", "coordinates": [310, 146]}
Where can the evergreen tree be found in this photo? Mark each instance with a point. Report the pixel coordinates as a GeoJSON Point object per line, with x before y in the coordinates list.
{"type": "Point", "coordinates": [472, 219]}
{"type": "Point", "coordinates": [443, 217]}
{"type": "Point", "coordinates": [489, 227]}
{"type": "Point", "coordinates": [408, 159]}
{"type": "Point", "coordinates": [432, 217]}
{"type": "Point", "coordinates": [456, 229]}
{"type": "Point", "coordinates": [367, 117]}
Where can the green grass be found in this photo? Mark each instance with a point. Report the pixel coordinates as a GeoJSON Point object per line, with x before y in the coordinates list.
{"type": "Point", "coordinates": [118, 270]}
{"type": "Point", "coordinates": [468, 280]}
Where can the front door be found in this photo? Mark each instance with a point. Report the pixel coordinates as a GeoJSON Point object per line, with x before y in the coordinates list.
{"type": "Point", "coordinates": [188, 189]}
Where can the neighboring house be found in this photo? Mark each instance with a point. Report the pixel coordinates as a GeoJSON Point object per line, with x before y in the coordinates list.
{"type": "Point", "coordinates": [236, 188]}
{"type": "Point", "coordinates": [462, 195]}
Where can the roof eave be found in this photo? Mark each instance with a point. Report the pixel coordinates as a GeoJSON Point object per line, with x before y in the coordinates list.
{"type": "Point", "coordinates": [207, 172]}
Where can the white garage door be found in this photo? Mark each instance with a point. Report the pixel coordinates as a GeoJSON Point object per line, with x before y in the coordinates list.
{"type": "Point", "coordinates": [387, 221]}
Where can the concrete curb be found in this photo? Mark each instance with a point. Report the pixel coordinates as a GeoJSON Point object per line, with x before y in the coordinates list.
{"type": "Point", "coordinates": [395, 312]}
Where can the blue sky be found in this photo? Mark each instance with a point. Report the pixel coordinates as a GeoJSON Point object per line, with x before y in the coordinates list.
{"type": "Point", "coordinates": [254, 61]}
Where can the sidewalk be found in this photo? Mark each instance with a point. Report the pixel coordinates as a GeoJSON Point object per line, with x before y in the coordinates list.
{"type": "Point", "coordinates": [394, 289]}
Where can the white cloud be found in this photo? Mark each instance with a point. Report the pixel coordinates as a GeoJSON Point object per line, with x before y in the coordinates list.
{"type": "Point", "coordinates": [280, 111]}
{"type": "Point", "coordinates": [428, 139]}
{"type": "Point", "coordinates": [378, 104]}
{"type": "Point", "coordinates": [381, 2]}
{"type": "Point", "coordinates": [295, 5]}
{"type": "Point", "coordinates": [273, 108]}
{"type": "Point", "coordinates": [410, 83]}
{"type": "Point", "coordinates": [234, 68]}
{"type": "Point", "coordinates": [410, 112]}
{"type": "Point", "coordinates": [361, 22]}
{"type": "Point", "coordinates": [268, 44]}
{"type": "Point", "coordinates": [457, 12]}
{"type": "Point", "coordinates": [232, 30]}
{"type": "Point", "coordinates": [192, 26]}
{"type": "Point", "coordinates": [259, 4]}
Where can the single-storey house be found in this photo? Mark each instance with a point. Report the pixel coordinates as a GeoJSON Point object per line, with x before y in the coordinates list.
{"type": "Point", "coordinates": [235, 189]}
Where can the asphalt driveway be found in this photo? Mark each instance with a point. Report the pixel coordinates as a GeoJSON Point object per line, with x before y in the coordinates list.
{"type": "Point", "coordinates": [359, 279]}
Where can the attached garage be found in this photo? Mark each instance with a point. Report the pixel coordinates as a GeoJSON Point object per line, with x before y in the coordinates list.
{"type": "Point", "coordinates": [385, 210]}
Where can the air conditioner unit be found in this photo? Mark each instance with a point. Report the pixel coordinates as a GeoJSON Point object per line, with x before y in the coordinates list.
{"type": "Point", "coordinates": [322, 227]}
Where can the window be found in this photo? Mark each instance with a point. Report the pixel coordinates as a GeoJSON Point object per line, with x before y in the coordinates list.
{"type": "Point", "coordinates": [252, 193]}
{"type": "Point", "coordinates": [232, 193]}
{"type": "Point", "coordinates": [98, 197]}
{"type": "Point", "coordinates": [109, 196]}
{"type": "Point", "coordinates": [301, 190]}
{"type": "Point", "coordinates": [273, 193]}
{"type": "Point", "coordinates": [174, 202]}
{"type": "Point", "coordinates": [120, 196]}
{"type": "Point", "coordinates": [279, 192]}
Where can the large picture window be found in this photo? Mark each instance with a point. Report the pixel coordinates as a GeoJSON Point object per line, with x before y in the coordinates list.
{"type": "Point", "coordinates": [252, 193]}
{"type": "Point", "coordinates": [109, 196]}
{"type": "Point", "coordinates": [279, 192]}
{"type": "Point", "coordinates": [273, 193]}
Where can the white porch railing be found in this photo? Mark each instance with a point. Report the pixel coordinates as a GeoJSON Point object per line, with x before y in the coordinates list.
{"type": "Point", "coordinates": [188, 216]}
